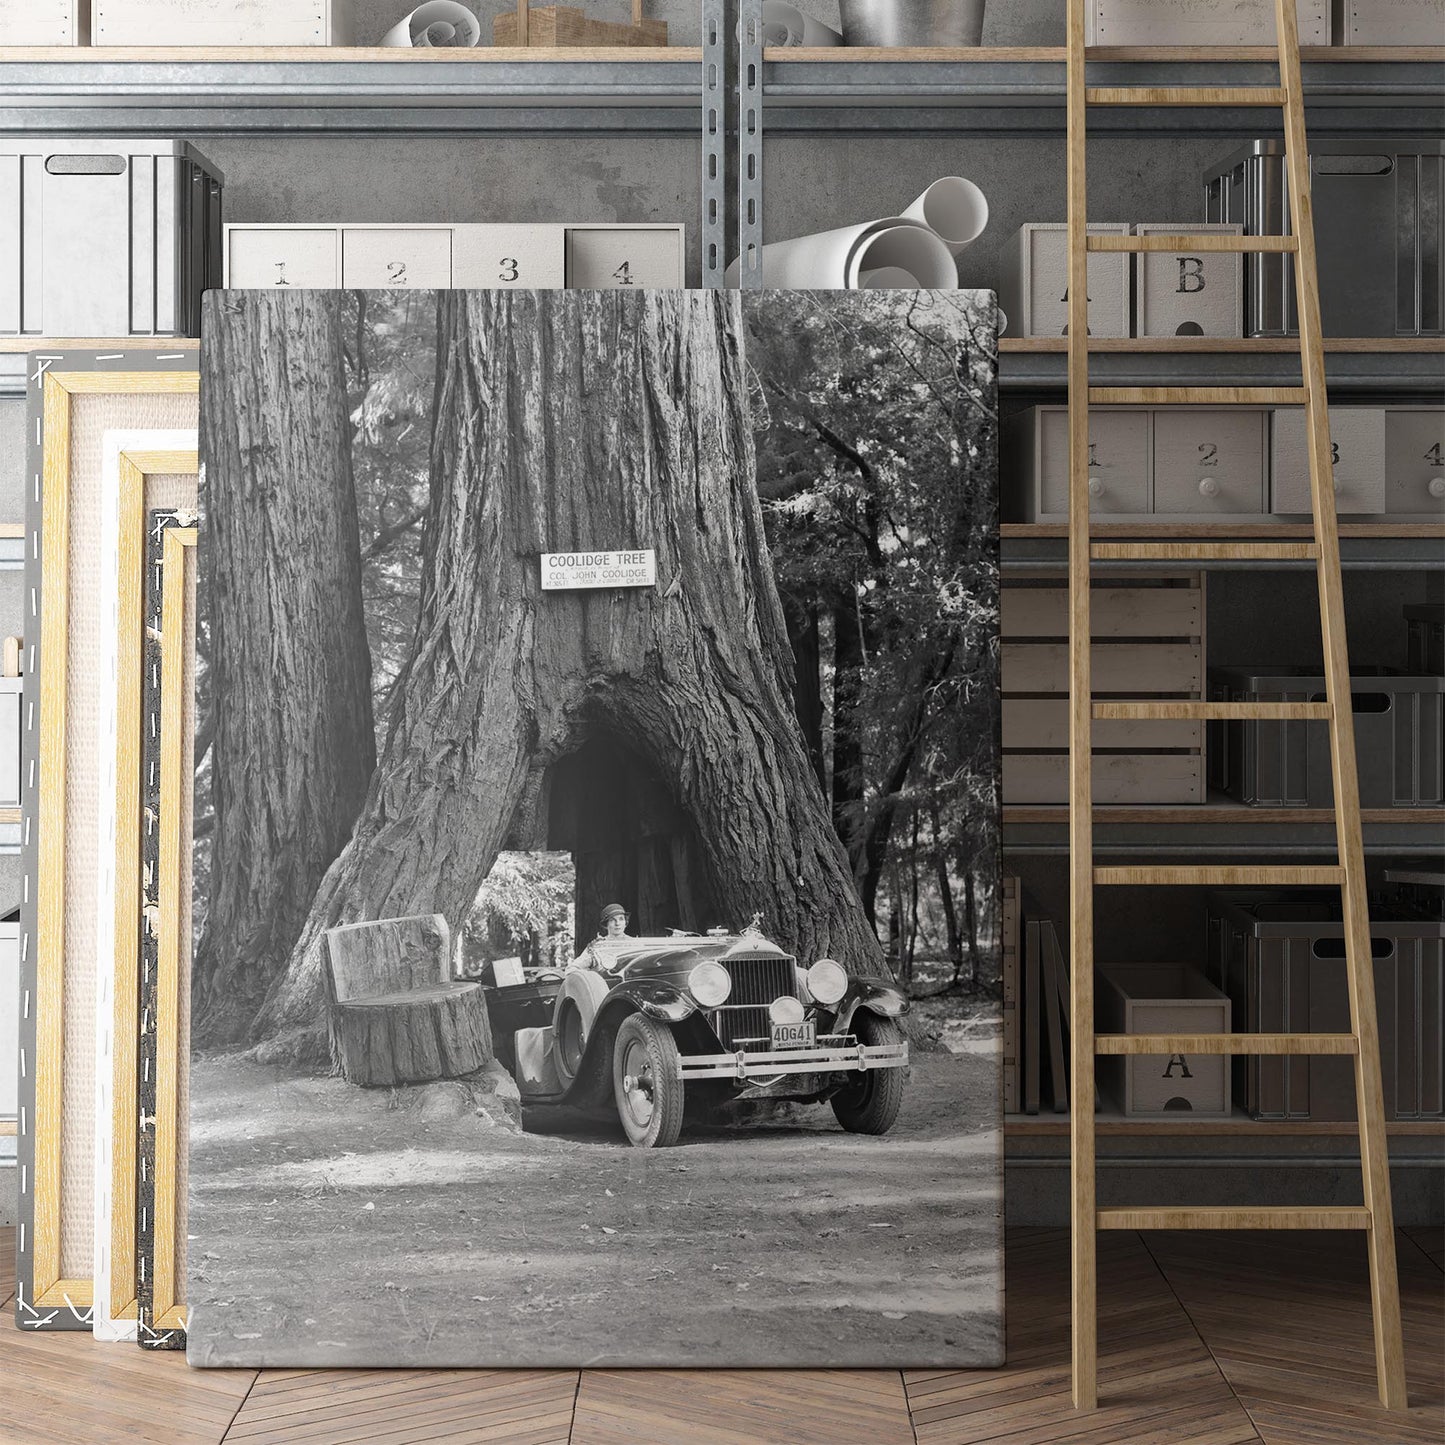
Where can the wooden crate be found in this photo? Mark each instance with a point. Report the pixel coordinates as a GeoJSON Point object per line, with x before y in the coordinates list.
{"type": "Point", "coordinates": [221, 22]}
{"type": "Point", "coordinates": [1389, 22]}
{"type": "Point", "coordinates": [44, 22]}
{"type": "Point", "coordinates": [1148, 634]}
{"type": "Point", "coordinates": [551, 26]}
{"type": "Point", "coordinates": [1201, 22]}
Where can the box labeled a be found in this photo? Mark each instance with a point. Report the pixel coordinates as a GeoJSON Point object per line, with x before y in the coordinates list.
{"type": "Point", "coordinates": [1189, 292]}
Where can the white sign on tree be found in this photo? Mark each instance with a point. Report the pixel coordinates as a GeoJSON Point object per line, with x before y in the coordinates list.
{"type": "Point", "coordinates": [564, 571]}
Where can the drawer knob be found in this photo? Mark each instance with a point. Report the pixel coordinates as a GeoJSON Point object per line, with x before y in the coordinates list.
{"type": "Point", "coordinates": [1208, 487]}
{"type": "Point", "coordinates": [1096, 485]}
{"type": "Point", "coordinates": [1436, 486]}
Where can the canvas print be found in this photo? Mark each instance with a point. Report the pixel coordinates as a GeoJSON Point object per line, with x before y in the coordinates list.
{"type": "Point", "coordinates": [596, 872]}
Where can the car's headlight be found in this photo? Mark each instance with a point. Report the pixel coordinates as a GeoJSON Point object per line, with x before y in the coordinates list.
{"type": "Point", "coordinates": [785, 1009]}
{"type": "Point", "coordinates": [827, 981]}
{"type": "Point", "coordinates": [710, 984]}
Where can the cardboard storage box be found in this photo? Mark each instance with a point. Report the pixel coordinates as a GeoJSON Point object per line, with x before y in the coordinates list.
{"type": "Point", "coordinates": [44, 22]}
{"type": "Point", "coordinates": [221, 22]}
{"type": "Point", "coordinates": [1399, 739]}
{"type": "Point", "coordinates": [1163, 998]}
{"type": "Point", "coordinates": [1357, 450]}
{"type": "Point", "coordinates": [1281, 959]}
{"type": "Point", "coordinates": [1389, 22]}
{"type": "Point", "coordinates": [1188, 293]}
{"type": "Point", "coordinates": [1200, 22]}
{"type": "Point", "coordinates": [1148, 640]}
{"type": "Point", "coordinates": [1033, 282]}
{"type": "Point", "coordinates": [467, 256]}
{"type": "Point", "coordinates": [1377, 216]}
{"type": "Point", "coordinates": [106, 237]}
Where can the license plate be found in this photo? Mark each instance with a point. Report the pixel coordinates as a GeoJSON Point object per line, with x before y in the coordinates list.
{"type": "Point", "coordinates": [795, 1036]}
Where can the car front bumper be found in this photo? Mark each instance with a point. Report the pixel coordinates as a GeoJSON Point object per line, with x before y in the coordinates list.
{"type": "Point", "coordinates": [779, 1063]}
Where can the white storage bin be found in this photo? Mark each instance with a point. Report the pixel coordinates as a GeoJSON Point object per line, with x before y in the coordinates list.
{"type": "Point", "coordinates": [606, 257]}
{"type": "Point", "coordinates": [1036, 455]}
{"type": "Point", "coordinates": [1201, 22]}
{"type": "Point", "coordinates": [296, 256]}
{"type": "Point", "coordinates": [1189, 293]}
{"type": "Point", "coordinates": [1389, 22]}
{"type": "Point", "coordinates": [106, 237]}
{"type": "Point", "coordinates": [396, 257]}
{"type": "Point", "coordinates": [1415, 459]}
{"type": "Point", "coordinates": [1209, 462]}
{"type": "Point", "coordinates": [1033, 282]}
{"type": "Point", "coordinates": [220, 22]}
{"type": "Point", "coordinates": [44, 22]}
{"type": "Point", "coordinates": [1357, 441]}
{"type": "Point", "coordinates": [512, 257]}
{"type": "Point", "coordinates": [1148, 998]}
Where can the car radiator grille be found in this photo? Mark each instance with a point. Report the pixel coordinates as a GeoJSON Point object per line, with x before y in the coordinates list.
{"type": "Point", "coordinates": [756, 983]}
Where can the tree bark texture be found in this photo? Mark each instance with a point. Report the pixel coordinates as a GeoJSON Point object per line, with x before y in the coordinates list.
{"type": "Point", "coordinates": [294, 747]}
{"type": "Point", "coordinates": [440, 1033]}
{"type": "Point", "coordinates": [569, 421]}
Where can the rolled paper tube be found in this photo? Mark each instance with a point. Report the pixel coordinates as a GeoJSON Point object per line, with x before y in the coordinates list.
{"type": "Point", "coordinates": [954, 209]}
{"type": "Point", "coordinates": [786, 25]}
{"type": "Point", "coordinates": [437, 25]}
{"type": "Point", "coordinates": [888, 278]}
{"type": "Point", "coordinates": [1002, 321]}
{"type": "Point", "coordinates": [908, 247]}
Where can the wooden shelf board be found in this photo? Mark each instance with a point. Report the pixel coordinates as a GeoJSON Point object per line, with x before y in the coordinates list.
{"type": "Point", "coordinates": [1216, 812]}
{"type": "Point", "coordinates": [480, 55]}
{"type": "Point", "coordinates": [1152, 528]}
{"type": "Point", "coordinates": [15, 345]}
{"type": "Point", "coordinates": [1025, 1126]}
{"type": "Point", "coordinates": [1224, 345]}
{"type": "Point", "coordinates": [1057, 53]}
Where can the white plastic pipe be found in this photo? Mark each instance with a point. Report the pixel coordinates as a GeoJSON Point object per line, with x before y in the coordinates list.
{"type": "Point", "coordinates": [888, 278]}
{"type": "Point", "coordinates": [904, 246]}
{"type": "Point", "coordinates": [785, 24]}
{"type": "Point", "coordinates": [954, 208]}
{"type": "Point", "coordinates": [439, 24]}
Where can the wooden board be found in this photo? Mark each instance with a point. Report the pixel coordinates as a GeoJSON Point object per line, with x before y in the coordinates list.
{"type": "Point", "coordinates": [1116, 612]}
{"type": "Point", "coordinates": [1134, 669]}
{"type": "Point", "coordinates": [553, 26]}
{"type": "Point", "coordinates": [1171, 779]}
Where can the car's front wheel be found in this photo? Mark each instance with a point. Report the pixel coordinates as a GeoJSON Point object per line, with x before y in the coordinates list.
{"type": "Point", "coordinates": [869, 1102]}
{"type": "Point", "coordinates": [647, 1083]}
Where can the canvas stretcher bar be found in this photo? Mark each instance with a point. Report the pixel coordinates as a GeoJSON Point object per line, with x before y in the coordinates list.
{"type": "Point", "coordinates": [74, 398]}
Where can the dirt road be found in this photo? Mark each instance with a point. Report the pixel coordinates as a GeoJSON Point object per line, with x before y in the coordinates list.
{"type": "Point", "coordinates": [335, 1226]}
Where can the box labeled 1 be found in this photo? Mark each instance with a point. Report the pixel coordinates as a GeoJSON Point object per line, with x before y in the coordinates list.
{"type": "Point", "coordinates": [299, 257]}
{"type": "Point", "coordinates": [1189, 293]}
{"type": "Point", "coordinates": [1357, 456]}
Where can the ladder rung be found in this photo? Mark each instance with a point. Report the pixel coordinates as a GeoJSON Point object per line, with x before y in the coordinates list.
{"type": "Point", "coordinates": [1206, 551]}
{"type": "Point", "coordinates": [1198, 395]}
{"type": "Point", "coordinates": [1238, 876]}
{"type": "Point", "coordinates": [1223, 1217]}
{"type": "Point", "coordinates": [1187, 241]}
{"type": "Point", "coordinates": [1185, 95]}
{"type": "Point", "coordinates": [1266, 1044]}
{"type": "Point", "coordinates": [1217, 711]}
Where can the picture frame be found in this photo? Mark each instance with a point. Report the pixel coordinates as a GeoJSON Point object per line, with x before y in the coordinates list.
{"type": "Point", "coordinates": [164, 932]}
{"type": "Point", "coordinates": [142, 469]}
{"type": "Point", "coordinates": [74, 397]}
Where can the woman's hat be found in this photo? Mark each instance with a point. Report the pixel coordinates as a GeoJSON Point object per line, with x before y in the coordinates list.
{"type": "Point", "coordinates": [613, 910]}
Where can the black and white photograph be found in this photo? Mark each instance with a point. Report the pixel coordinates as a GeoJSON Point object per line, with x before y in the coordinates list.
{"type": "Point", "coordinates": [596, 877]}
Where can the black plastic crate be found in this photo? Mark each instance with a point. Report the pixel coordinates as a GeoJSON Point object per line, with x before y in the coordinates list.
{"type": "Point", "coordinates": [1280, 958]}
{"type": "Point", "coordinates": [1399, 739]}
{"type": "Point", "coordinates": [1425, 637]}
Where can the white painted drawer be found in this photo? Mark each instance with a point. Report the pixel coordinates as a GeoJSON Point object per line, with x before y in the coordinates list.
{"type": "Point", "coordinates": [220, 22]}
{"type": "Point", "coordinates": [1389, 22]}
{"type": "Point", "coordinates": [1357, 437]}
{"type": "Point", "coordinates": [605, 258]}
{"type": "Point", "coordinates": [396, 257]}
{"type": "Point", "coordinates": [1033, 282]}
{"type": "Point", "coordinates": [1207, 461]}
{"type": "Point", "coordinates": [1189, 293]}
{"type": "Point", "coordinates": [1201, 22]}
{"type": "Point", "coordinates": [283, 256]}
{"type": "Point", "coordinates": [508, 257]}
{"type": "Point", "coordinates": [1414, 459]}
{"type": "Point", "coordinates": [42, 22]}
{"type": "Point", "coordinates": [1118, 462]}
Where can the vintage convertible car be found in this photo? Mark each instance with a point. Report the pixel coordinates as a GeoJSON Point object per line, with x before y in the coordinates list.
{"type": "Point", "coordinates": [656, 1023]}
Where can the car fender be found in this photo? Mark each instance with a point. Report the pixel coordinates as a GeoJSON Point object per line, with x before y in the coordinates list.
{"type": "Point", "coordinates": [873, 996]}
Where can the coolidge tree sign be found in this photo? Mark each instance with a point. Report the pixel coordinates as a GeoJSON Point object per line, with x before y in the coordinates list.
{"type": "Point", "coordinates": [560, 418]}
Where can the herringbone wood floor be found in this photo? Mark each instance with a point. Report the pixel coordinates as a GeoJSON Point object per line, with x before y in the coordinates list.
{"type": "Point", "coordinates": [1204, 1340]}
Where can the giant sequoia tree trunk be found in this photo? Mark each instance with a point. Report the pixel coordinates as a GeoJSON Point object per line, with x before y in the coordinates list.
{"type": "Point", "coordinates": [294, 740]}
{"type": "Point", "coordinates": [567, 421]}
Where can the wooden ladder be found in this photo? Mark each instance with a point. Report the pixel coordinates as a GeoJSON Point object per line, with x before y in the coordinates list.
{"type": "Point", "coordinates": [1376, 1217]}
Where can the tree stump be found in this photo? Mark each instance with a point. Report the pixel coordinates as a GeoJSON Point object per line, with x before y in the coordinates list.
{"type": "Point", "coordinates": [396, 1016]}
{"type": "Point", "coordinates": [413, 1038]}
